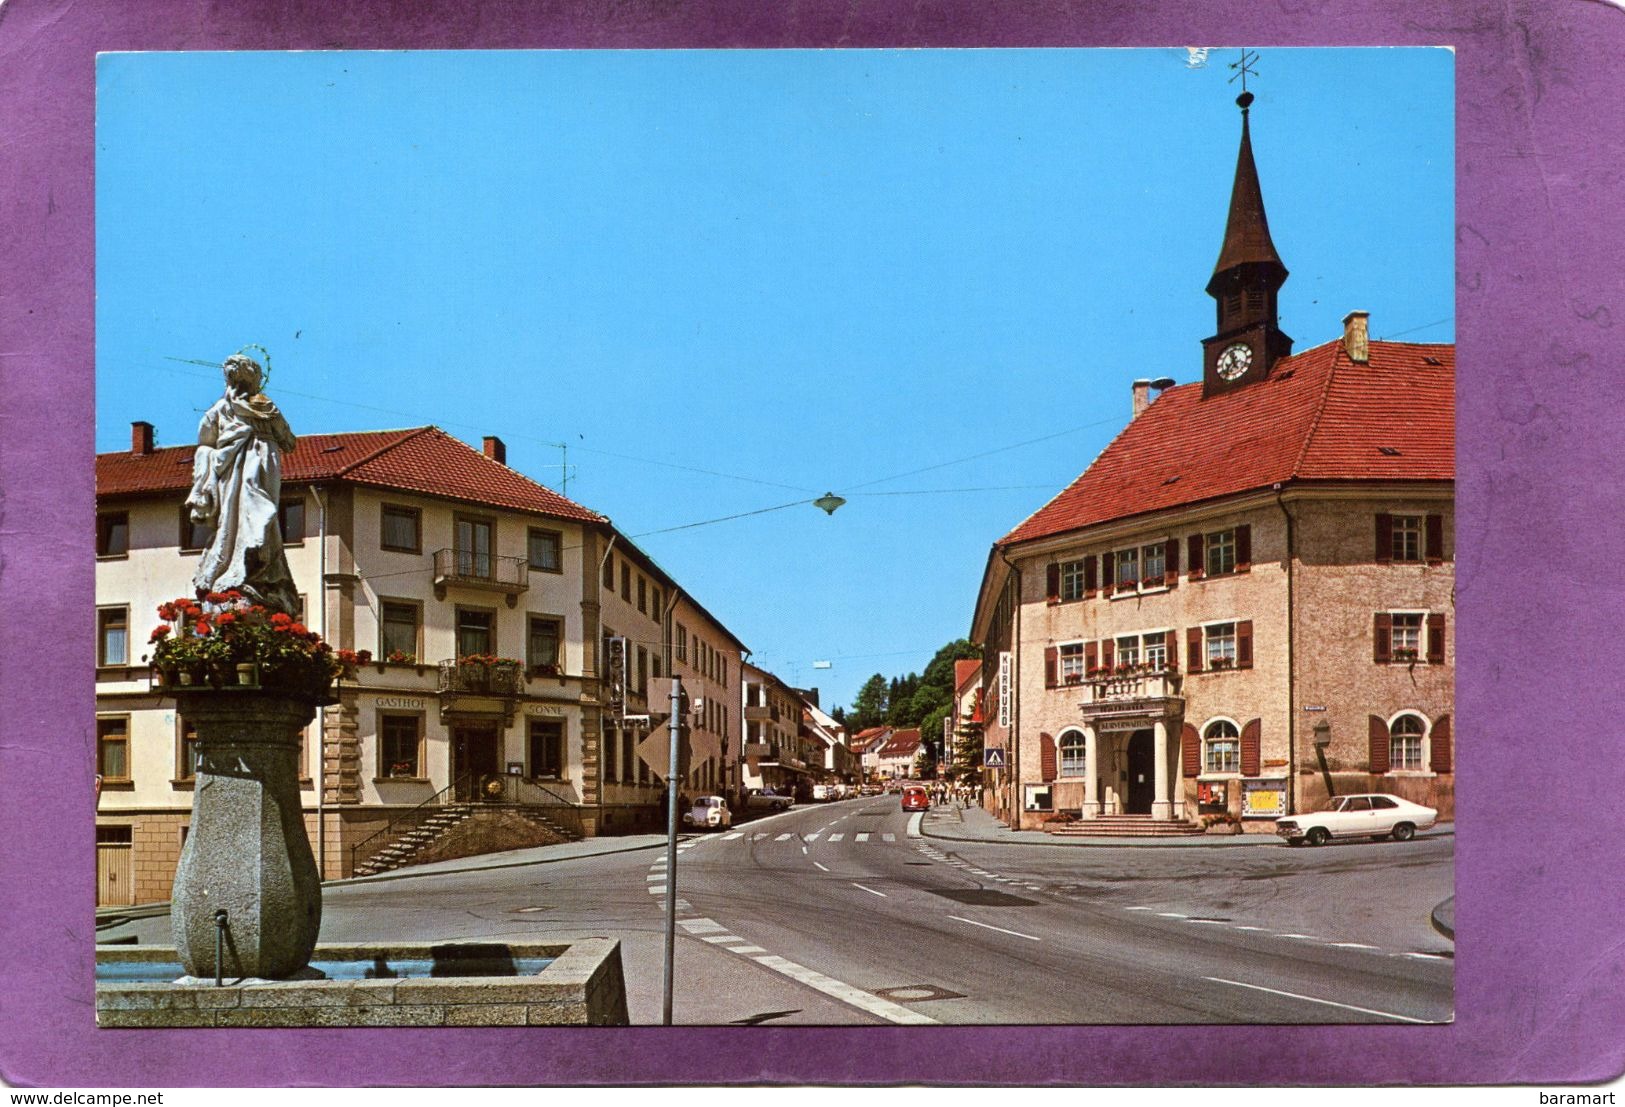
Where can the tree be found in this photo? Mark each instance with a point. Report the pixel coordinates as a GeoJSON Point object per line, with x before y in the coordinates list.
{"type": "Point", "coordinates": [869, 708]}
{"type": "Point", "coordinates": [931, 734]}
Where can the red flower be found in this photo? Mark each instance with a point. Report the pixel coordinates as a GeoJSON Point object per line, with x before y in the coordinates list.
{"type": "Point", "coordinates": [214, 597]}
{"type": "Point", "coordinates": [166, 612]}
{"type": "Point", "coordinates": [160, 632]}
{"type": "Point", "coordinates": [203, 626]}
{"type": "Point", "coordinates": [232, 594]}
{"type": "Point", "coordinates": [225, 618]}
{"type": "Point", "coordinates": [364, 656]}
{"type": "Point", "coordinates": [257, 609]}
{"type": "Point", "coordinates": [299, 629]}
{"type": "Point", "coordinates": [280, 621]}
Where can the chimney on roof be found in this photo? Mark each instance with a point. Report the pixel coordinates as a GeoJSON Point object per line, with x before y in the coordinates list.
{"type": "Point", "coordinates": [140, 438]}
{"type": "Point", "coordinates": [1357, 336]}
{"type": "Point", "coordinates": [1142, 396]}
{"type": "Point", "coordinates": [495, 450]}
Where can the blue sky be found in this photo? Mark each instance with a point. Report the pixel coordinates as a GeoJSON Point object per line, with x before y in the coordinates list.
{"type": "Point", "coordinates": [734, 279]}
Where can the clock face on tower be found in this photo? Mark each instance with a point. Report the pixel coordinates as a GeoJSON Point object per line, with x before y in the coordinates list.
{"type": "Point", "coordinates": [1234, 360]}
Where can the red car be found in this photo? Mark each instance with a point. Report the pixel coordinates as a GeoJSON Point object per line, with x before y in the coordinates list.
{"type": "Point", "coordinates": [916, 798]}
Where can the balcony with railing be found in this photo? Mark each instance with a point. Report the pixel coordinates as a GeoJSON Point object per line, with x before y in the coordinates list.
{"type": "Point", "coordinates": [486, 571]}
{"type": "Point", "coordinates": [1129, 685]}
{"type": "Point", "coordinates": [466, 676]}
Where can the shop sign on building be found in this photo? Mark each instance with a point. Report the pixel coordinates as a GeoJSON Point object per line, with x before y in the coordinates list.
{"type": "Point", "coordinates": [1004, 689]}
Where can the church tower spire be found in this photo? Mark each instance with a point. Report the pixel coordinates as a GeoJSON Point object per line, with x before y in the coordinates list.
{"type": "Point", "coordinates": [1245, 281]}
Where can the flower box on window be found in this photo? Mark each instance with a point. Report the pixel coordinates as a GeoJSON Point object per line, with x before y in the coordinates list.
{"type": "Point", "coordinates": [1220, 662]}
{"type": "Point", "coordinates": [1404, 654]}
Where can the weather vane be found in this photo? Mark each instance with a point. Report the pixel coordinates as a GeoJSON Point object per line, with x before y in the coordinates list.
{"type": "Point", "coordinates": [1243, 67]}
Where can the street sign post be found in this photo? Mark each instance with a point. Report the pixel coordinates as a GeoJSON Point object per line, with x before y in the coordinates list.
{"type": "Point", "coordinates": [675, 734]}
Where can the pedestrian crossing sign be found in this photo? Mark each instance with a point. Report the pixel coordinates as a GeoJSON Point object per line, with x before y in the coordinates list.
{"type": "Point", "coordinates": [993, 759]}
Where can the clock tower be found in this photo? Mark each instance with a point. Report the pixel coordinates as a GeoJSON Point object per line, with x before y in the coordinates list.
{"type": "Point", "coordinates": [1244, 285]}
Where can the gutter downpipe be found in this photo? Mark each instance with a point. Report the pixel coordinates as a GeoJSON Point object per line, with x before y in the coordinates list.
{"type": "Point", "coordinates": [1015, 685]}
{"type": "Point", "coordinates": [321, 712]}
{"type": "Point", "coordinates": [1291, 674]}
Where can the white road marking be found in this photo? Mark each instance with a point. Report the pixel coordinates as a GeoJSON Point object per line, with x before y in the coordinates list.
{"type": "Point", "coordinates": [702, 926]}
{"type": "Point", "coordinates": [1303, 937]}
{"type": "Point", "coordinates": [1206, 922]}
{"type": "Point", "coordinates": [757, 837]}
{"type": "Point", "coordinates": [863, 835]}
{"type": "Point", "coordinates": [655, 876]}
{"type": "Point", "coordinates": [871, 891]}
{"type": "Point", "coordinates": [836, 837]}
{"type": "Point", "coordinates": [1352, 945]}
{"type": "Point", "coordinates": [748, 950]}
{"type": "Point", "coordinates": [717, 939]}
{"type": "Point", "coordinates": [820, 866]}
{"type": "Point", "coordinates": [914, 824]}
{"type": "Point", "coordinates": [731, 837]}
{"type": "Point", "coordinates": [891, 1012]}
{"type": "Point", "coordinates": [1171, 915]}
{"type": "Point", "coordinates": [804, 850]}
{"type": "Point", "coordinates": [1136, 908]}
{"type": "Point", "coordinates": [813, 837]}
{"type": "Point", "coordinates": [1000, 929]}
{"type": "Point", "coordinates": [684, 905]}
{"type": "Point", "coordinates": [657, 889]}
{"type": "Point", "coordinates": [1312, 999]}
{"type": "Point", "coordinates": [1238, 926]}
{"type": "Point", "coordinates": [888, 837]}
{"type": "Point", "coordinates": [784, 837]}
{"type": "Point", "coordinates": [1428, 956]}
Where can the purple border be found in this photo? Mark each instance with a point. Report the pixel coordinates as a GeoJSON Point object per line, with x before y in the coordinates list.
{"type": "Point", "coordinates": [1541, 216]}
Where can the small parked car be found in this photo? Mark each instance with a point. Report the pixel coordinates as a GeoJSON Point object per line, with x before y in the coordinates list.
{"type": "Point", "coordinates": [709, 813]}
{"type": "Point", "coordinates": [916, 798]}
{"type": "Point", "coordinates": [766, 799]}
{"type": "Point", "coordinates": [1374, 815]}
{"type": "Point", "coordinates": [824, 793]}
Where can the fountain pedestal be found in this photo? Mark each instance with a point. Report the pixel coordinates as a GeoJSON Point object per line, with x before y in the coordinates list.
{"type": "Point", "coordinates": [246, 851]}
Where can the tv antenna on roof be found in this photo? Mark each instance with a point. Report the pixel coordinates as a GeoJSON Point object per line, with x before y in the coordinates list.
{"type": "Point", "coordinates": [1244, 66]}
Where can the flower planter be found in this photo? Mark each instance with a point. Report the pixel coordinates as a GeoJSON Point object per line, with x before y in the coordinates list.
{"type": "Point", "coordinates": [248, 675]}
{"type": "Point", "coordinates": [185, 677]}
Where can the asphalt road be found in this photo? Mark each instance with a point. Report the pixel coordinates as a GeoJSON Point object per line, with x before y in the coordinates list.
{"type": "Point", "coordinates": [839, 914]}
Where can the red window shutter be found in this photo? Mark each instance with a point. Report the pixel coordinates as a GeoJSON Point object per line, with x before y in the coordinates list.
{"type": "Point", "coordinates": [1190, 750]}
{"type": "Point", "coordinates": [1052, 583]}
{"type": "Point", "coordinates": [1193, 650]}
{"type": "Point", "coordinates": [1170, 562]}
{"type": "Point", "coordinates": [1251, 759]}
{"type": "Point", "coordinates": [1436, 639]}
{"type": "Point", "coordinates": [1106, 654]}
{"type": "Point", "coordinates": [1244, 648]}
{"type": "Point", "coordinates": [1385, 537]}
{"type": "Point", "coordinates": [1197, 561]}
{"type": "Point", "coordinates": [1382, 637]}
{"type": "Point", "coordinates": [1046, 753]}
{"type": "Point", "coordinates": [1171, 643]}
{"type": "Point", "coordinates": [1091, 660]}
{"type": "Point", "coordinates": [1439, 740]}
{"type": "Point", "coordinates": [1090, 576]}
{"type": "Point", "coordinates": [1050, 656]}
{"type": "Point", "coordinates": [1435, 538]}
{"type": "Point", "coordinates": [1379, 745]}
{"type": "Point", "coordinates": [1244, 547]}
{"type": "Point", "coordinates": [1108, 574]}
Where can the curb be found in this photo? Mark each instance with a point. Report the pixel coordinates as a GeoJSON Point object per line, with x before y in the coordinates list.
{"type": "Point", "coordinates": [1444, 918]}
{"type": "Point", "coordinates": [1201, 841]}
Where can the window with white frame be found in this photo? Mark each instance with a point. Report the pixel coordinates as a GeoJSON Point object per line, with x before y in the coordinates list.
{"type": "Point", "coordinates": [1072, 753]}
{"type": "Point", "coordinates": [1221, 748]}
{"type": "Point", "coordinates": [113, 636]}
{"type": "Point", "coordinates": [1407, 532]}
{"type": "Point", "coordinates": [1219, 645]}
{"type": "Point", "coordinates": [1405, 631]}
{"type": "Point", "coordinates": [1071, 659]}
{"type": "Point", "coordinates": [1128, 568]}
{"type": "Point", "coordinates": [400, 746]}
{"type": "Point", "coordinates": [1156, 651]}
{"type": "Point", "coordinates": [1220, 553]}
{"type": "Point", "coordinates": [1153, 563]}
{"type": "Point", "coordinates": [1405, 743]}
{"type": "Point", "coordinates": [1072, 579]}
{"type": "Point", "coordinates": [1128, 650]}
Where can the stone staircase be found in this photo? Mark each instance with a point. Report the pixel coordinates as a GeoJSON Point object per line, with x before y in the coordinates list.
{"type": "Point", "coordinates": [1124, 826]}
{"type": "Point", "coordinates": [404, 849]}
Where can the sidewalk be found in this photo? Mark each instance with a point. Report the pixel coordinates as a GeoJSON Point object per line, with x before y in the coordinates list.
{"type": "Point", "coordinates": [973, 824]}
{"type": "Point", "coordinates": [535, 855]}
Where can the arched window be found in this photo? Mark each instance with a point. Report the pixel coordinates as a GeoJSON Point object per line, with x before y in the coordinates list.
{"type": "Point", "coordinates": [1072, 763]}
{"type": "Point", "coordinates": [1221, 748]}
{"type": "Point", "coordinates": [1405, 743]}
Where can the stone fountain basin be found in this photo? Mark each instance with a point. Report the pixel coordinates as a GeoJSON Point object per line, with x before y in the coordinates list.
{"type": "Point", "coordinates": [506, 983]}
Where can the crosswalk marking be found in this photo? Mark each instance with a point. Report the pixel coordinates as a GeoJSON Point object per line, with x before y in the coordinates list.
{"type": "Point", "coordinates": [863, 835]}
{"type": "Point", "coordinates": [731, 837]}
{"type": "Point", "coordinates": [784, 837]}
{"type": "Point", "coordinates": [813, 837]}
{"type": "Point", "coordinates": [836, 837]}
{"type": "Point", "coordinates": [888, 837]}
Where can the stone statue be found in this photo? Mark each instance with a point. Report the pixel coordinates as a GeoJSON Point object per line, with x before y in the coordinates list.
{"type": "Point", "coordinates": [236, 486]}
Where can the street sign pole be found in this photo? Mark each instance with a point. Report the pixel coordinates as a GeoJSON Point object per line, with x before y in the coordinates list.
{"type": "Point", "coordinates": [675, 727]}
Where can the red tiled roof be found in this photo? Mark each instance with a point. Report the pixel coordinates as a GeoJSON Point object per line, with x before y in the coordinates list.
{"type": "Point", "coordinates": [901, 744]}
{"type": "Point", "coordinates": [425, 460]}
{"type": "Point", "coordinates": [1318, 416]}
{"type": "Point", "coordinates": [963, 671]}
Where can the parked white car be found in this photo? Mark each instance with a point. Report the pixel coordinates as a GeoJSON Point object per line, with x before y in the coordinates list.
{"type": "Point", "coordinates": [1373, 815]}
{"type": "Point", "coordinates": [709, 813]}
